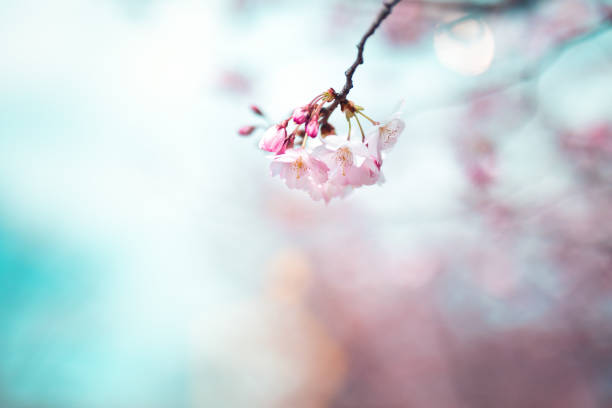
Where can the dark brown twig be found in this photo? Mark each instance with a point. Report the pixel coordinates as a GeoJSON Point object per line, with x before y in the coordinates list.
{"type": "Point", "coordinates": [348, 85]}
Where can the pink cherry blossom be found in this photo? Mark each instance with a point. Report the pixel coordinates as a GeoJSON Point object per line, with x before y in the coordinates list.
{"type": "Point", "coordinates": [300, 169]}
{"type": "Point", "coordinates": [373, 143]}
{"type": "Point", "coordinates": [390, 132]}
{"type": "Point", "coordinates": [329, 166]}
{"type": "Point", "coordinates": [350, 162]}
{"type": "Point", "coordinates": [274, 139]}
{"type": "Point", "coordinates": [384, 137]}
{"type": "Point", "coordinates": [371, 173]}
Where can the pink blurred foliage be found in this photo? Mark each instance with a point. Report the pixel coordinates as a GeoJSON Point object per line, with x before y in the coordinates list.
{"type": "Point", "coordinates": [590, 149]}
{"type": "Point", "coordinates": [513, 311]}
{"type": "Point", "coordinates": [478, 158]}
{"type": "Point", "coordinates": [495, 111]}
{"type": "Point", "coordinates": [422, 327]}
{"type": "Point", "coordinates": [516, 315]}
{"type": "Point", "coordinates": [406, 346]}
{"type": "Point", "coordinates": [557, 21]}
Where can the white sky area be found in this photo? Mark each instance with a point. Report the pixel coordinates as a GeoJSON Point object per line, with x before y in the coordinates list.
{"type": "Point", "coordinates": [116, 139]}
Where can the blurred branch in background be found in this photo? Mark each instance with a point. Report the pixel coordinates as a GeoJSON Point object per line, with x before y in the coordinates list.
{"type": "Point", "coordinates": [513, 309]}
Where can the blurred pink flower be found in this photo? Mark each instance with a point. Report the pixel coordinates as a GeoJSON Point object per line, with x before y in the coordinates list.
{"type": "Point", "coordinates": [479, 159]}
{"type": "Point", "coordinates": [246, 130]}
{"type": "Point", "coordinates": [597, 137]}
{"type": "Point", "coordinates": [481, 173]}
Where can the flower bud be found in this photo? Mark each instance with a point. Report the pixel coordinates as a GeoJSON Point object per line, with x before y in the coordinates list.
{"type": "Point", "coordinates": [246, 130]}
{"type": "Point", "coordinates": [312, 128]}
{"type": "Point", "coordinates": [300, 114]}
{"type": "Point", "coordinates": [255, 109]}
{"type": "Point", "coordinates": [274, 139]}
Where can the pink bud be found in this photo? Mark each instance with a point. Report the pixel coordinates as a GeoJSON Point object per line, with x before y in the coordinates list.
{"type": "Point", "coordinates": [300, 115]}
{"type": "Point", "coordinates": [246, 130]}
{"type": "Point", "coordinates": [274, 139]}
{"type": "Point", "coordinates": [312, 129]}
{"type": "Point", "coordinates": [256, 110]}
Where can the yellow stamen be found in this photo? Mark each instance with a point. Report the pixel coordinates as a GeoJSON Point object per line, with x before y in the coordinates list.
{"type": "Point", "coordinates": [298, 167]}
{"type": "Point", "coordinates": [344, 157]}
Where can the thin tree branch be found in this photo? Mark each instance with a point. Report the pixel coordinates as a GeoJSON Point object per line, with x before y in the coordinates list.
{"type": "Point", "coordinates": [478, 6]}
{"type": "Point", "coordinates": [348, 85]}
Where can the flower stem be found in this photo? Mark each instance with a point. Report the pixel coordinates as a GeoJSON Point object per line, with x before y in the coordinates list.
{"type": "Point", "coordinates": [360, 128]}
{"type": "Point", "coordinates": [349, 132]}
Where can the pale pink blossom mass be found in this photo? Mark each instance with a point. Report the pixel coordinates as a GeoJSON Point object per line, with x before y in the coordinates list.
{"type": "Point", "coordinates": [322, 163]}
{"type": "Point", "coordinates": [337, 165]}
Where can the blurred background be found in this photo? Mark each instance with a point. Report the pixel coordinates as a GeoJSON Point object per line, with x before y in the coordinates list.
{"type": "Point", "coordinates": [148, 259]}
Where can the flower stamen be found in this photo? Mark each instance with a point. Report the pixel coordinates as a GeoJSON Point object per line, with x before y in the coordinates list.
{"type": "Point", "coordinates": [344, 158]}
{"type": "Point", "coordinates": [299, 167]}
{"type": "Point", "coordinates": [372, 121]}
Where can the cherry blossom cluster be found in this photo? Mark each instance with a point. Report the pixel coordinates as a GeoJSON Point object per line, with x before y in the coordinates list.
{"type": "Point", "coordinates": [308, 154]}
